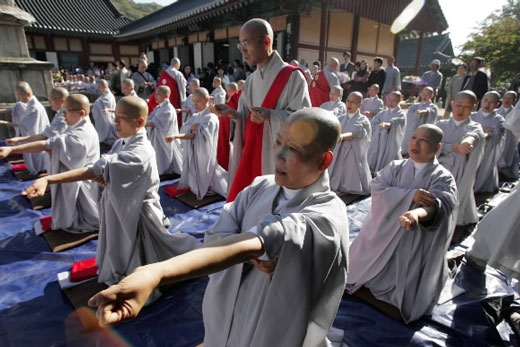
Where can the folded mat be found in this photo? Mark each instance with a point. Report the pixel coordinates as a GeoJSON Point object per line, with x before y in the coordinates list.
{"type": "Point", "coordinates": [27, 176]}
{"type": "Point", "coordinates": [61, 240]}
{"type": "Point", "coordinates": [42, 202]}
{"type": "Point", "coordinates": [191, 200]}
{"type": "Point", "coordinates": [351, 198]}
{"type": "Point", "coordinates": [170, 176]}
{"type": "Point", "coordinates": [79, 295]}
{"type": "Point", "coordinates": [172, 190]}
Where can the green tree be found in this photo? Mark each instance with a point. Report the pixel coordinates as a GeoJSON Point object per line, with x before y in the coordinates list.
{"type": "Point", "coordinates": [133, 10]}
{"type": "Point", "coordinates": [498, 41]}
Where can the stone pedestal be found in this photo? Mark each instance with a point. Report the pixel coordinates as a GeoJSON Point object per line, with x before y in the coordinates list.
{"type": "Point", "coordinates": [15, 63]}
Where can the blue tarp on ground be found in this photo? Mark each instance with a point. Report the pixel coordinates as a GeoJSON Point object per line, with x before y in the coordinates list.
{"type": "Point", "coordinates": [35, 312]}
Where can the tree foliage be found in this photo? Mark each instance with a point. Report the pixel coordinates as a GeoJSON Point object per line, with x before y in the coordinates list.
{"type": "Point", "coordinates": [498, 41]}
{"type": "Point", "coordinates": [134, 10]}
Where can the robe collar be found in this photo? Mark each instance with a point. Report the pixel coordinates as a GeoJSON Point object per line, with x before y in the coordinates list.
{"type": "Point", "coordinates": [321, 185]}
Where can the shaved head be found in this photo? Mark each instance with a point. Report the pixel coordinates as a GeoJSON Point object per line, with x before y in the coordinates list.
{"type": "Point", "coordinates": [134, 107]}
{"type": "Point", "coordinates": [435, 133]}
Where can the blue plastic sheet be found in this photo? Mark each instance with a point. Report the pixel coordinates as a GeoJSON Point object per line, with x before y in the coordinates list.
{"type": "Point", "coordinates": [35, 312]}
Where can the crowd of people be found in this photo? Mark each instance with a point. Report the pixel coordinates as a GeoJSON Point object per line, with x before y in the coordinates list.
{"type": "Point", "coordinates": [281, 142]}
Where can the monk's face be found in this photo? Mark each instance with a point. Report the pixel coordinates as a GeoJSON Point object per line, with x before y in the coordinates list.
{"type": "Point", "coordinates": [253, 47]}
{"type": "Point", "coordinates": [297, 166]}
{"type": "Point", "coordinates": [462, 108]}
{"type": "Point", "coordinates": [22, 96]}
{"type": "Point", "coordinates": [489, 103]}
{"type": "Point", "coordinates": [333, 95]}
{"type": "Point", "coordinates": [126, 89]}
{"type": "Point", "coordinates": [56, 102]}
{"type": "Point", "coordinates": [73, 113]}
{"type": "Point", "coordinates": [508, 100]}
{"type": "Point", "coordinates": [200, 102]}
{"type": "Point", "coordinates": [160, 96]}
{"type": "Point", "coordinates": [421, 148]}
{"type": "Point", "coordinates": [353, 103]}
{"type": "Point", "coordinates": [125, 124]}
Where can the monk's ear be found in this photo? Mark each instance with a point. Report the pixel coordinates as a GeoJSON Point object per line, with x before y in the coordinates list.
{"type": "Point", "coordinates": [140, 121]}
{"type": "Point", "coordinates": [326, 160]}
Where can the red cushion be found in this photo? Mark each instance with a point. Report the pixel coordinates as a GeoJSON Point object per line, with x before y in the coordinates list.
{"type": "Point", "coordinates": [173, 191]}
{"type": "Point", "coordinates": [83, 270]}
{"type": "Point", "coordinates": [46, 223]}
{"type": "Point", "coordinates": [19, 167]}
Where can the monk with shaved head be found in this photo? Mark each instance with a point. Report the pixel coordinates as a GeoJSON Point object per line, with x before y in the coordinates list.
{"type": "Point", "coordinates": [289, 225]}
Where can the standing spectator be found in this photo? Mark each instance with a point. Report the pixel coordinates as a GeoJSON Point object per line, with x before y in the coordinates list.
{"type": "Point", "coordinates": [347, 66]}
{"type": "Point", "coordinates": [378, 75]}
{"type": "Point", "coordinates": [392, 78]}
{"type": "Point", "coordinates": [360, 78]}
{"type": "Point", "coordinates": [476, 80]}
{"type": "Point", "coordinates": [454, 86]}
{"type": "Point", "coordinates": [433, 78]}
{"type": "Point", "coordinates": [188, 76]}
{"type": "Point", "coordinates": [143, 80]}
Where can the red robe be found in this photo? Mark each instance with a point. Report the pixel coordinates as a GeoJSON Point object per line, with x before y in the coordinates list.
{"type": "Point", "coordinates": [165, 79]}
{"type": "Point", "coordinates": [224, 133]}
{"type": "Point", "coordinates": [319, 89]}
{"type": "Point", "coordinates": [250, 165]}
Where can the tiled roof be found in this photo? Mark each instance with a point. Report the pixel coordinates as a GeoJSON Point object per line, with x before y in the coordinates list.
{"type": "Point", "coordinates": [429, 19]}
{"type": "Point", "coordinates": [74, 17]}
{"type": "Point", "coordinates": [178, 14]}
{"type": "Point", "coordinates": [431, 45]}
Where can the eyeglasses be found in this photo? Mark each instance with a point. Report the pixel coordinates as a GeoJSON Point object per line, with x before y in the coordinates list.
{"type": "Point", "coordinates": [246, 43]}
{"type": "Point", "coordinates": [72, 109]}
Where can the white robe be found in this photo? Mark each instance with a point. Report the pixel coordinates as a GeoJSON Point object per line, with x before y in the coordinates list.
{"type": "Point", "coordinates": [406, 269]}
{"type": "Point", "coordinates": [486, 179]}
{"type": "Point", "coordinates": [219, 95]}
{"type": "Point", "coordinates": [349, 171]}
{"type": "Point", "coordinates": [200, 170]}
{"type": "Point", "coordinates": [188, 103]}
{"type": "Point", "coordinates": [131, 232]}
{"type": "Point", "coordinates": [463, 167]}
{"type": "Point", "coordinates": [497, 239]}
{"type": "Point", "coordinates": [373, 105]}
{"type": "Point", "coordinates": [58, 125]}
{"type": "Point", "coordinates": [74, 205]}
{"type": "Point", "coordinates": [296, 305]}
{"type": "Point", "coordinates": [508, 162]}
{"type": "Point", "coordinates": [336, 107]}
{"type": "Point", "coordinates": [385, 144]}
{"type": "Point", "coordinates": [413, 120]}
{"type": "Point", "coordinates": [169, 154]}
{"type": "Point", "coordinates": [32, 120]}
{"type": "Point", "coordinates": [295, 96]}
{"type": "Point", "coordinates": [104, 122]}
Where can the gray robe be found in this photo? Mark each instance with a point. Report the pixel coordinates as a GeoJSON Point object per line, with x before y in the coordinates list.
{"type": "Point", "coordinates": [294, 96]}
{"type": "Point", "coordinates": [131, 232]}
{"type": "Point", "coordinates": [486, 180]}
{"type": "Point", "coordinates": [385, 144]}
{"type": "Point", "coordinates": [219, 95]}
{"type": "Point", "coordinates": [413, 120]}
{"type": "Point", "coordinates": [297, 304]}
{"type": "Point", "coordinates": [104, 122]}
{"type": "Point", "coordinates": [497, 239]}
{"type": "Point", "coordinates": [58, 125]}
{"type": "Point", "coordinates": [200, 170]}
{"type": "Point", "coordinates": [32, 120]}
{"type": "Point", "coordinates": [349, 171]}
{"type": "Point", "coordinates": [406, 269]}
{"type": "Point", "coordinates": [508, 162]}
{"type": "Point", "coordinates": [463, 167]}
{"type": "Point", "coordinates": [373, 105]}
{"type": "Point", "coordinates": [168, 154]}
{"type": "Point", "coordinates": [74, 205]}
{"type": "Point", "coordinates": [336, 107]}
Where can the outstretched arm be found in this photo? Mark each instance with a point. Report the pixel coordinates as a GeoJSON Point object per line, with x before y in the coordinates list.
{"type": "Point", "coordinates": [125, 299]}
{"type": "Point", "coordinates": [32, 147]}
{"type": "Point", "coordinates": [40, 185]}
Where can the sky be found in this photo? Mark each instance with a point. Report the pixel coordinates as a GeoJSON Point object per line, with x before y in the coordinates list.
{"type": "Point", "coordinates": [463, 16]}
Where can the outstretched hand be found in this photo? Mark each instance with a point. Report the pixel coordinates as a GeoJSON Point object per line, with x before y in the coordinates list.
{"type": "Point", "coordinates": [267, 266]}
{"type": "Point", "coordinates": [409, 220]}
{"type": "Point", "coordinates": [223, 110]}
{"type": "Point", "coordinates": [125, 300]}
{"type": "Point", "coordinates": [424, 198]}
{"type": "Point", "coordinates": [5, 152]}
{"type": "Point", "coordinates": [36, 189]}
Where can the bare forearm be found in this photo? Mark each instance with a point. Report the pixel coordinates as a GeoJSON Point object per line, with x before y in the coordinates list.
{"type": "Point", "coordinates": [81, 174]}
{"type": "Point", "coordinates": [210, 258]}
{"type": "Point", "coordinates": [31, 147]}
{"type": "Point", "coordinates": [186, 136]}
